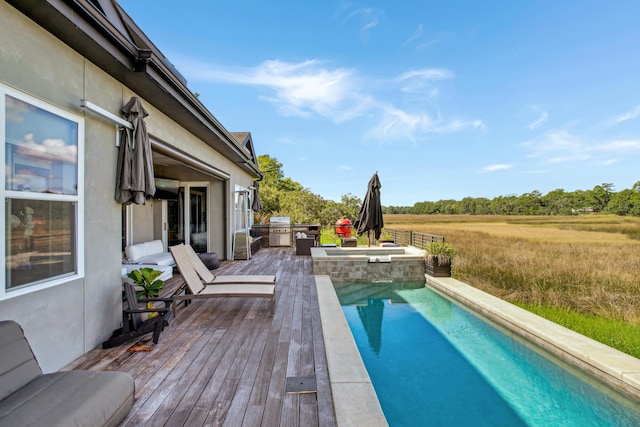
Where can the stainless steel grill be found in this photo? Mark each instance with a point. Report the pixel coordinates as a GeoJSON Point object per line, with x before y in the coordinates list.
{"type": "Point", "coordinates": [280, 231]}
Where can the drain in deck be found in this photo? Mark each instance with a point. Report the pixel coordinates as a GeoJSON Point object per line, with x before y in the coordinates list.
{"type": "Point", "coordinates": [301, 385]}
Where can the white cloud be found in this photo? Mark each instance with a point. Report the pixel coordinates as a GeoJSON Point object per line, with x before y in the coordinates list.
{"type": "Point", "coordinates": [427, 74]}
{"type": "Point", "coordinates": [49, 149]}
{"type": "Point", "coordinates": [415, 36]}
{"type": "Point", "coordinates": [399, 125]}
{"type": "Point", "coordinates": [563, 147]}
{"type": "Point", "coordinates": [312, 88]}
{"type": "Point", "coordinates": [367, 17]}
{"type": "Point", "coordinates": [497, 167]}
{"type": "Point", "coordinates": [286, 140]}
{"type": "Point", "coordinates": [556, 147]}
{"type": "Point", "coordinates": [540, 120]}
{"type": "Point", "coordinates": [422, 81]}
{"type": "Point", "coordinates": [619, 146]}
{"type": "Point", "coordinates": [428, 43]}
{"type": "Point", "coordinates": [369, 25]}
{"type": "Point", "coordinates": [632, 114]}
{"type": "Point", "coordinates": [417, 39]}
{"type": "Point", "coordinates": [298, 89]}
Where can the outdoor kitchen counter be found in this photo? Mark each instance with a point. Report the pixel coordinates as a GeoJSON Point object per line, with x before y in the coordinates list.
{"type": "Point", "coordinates": [311, 230]}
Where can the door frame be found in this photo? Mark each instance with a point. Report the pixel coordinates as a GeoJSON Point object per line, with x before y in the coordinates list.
{"type": "Point", "coordinates": [186, 186]}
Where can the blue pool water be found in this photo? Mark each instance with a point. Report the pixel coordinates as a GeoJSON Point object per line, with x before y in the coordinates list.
{"type": "Point", "coordinates": [433, 363]}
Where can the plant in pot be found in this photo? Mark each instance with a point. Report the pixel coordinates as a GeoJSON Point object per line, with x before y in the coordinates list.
{"type": "Point", "coordinates": [145, 278]}
{"type": "Point", "coordinates": [438, 259]}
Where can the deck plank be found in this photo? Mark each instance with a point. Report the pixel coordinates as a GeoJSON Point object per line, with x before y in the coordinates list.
{"type": "Point", "coordinates": [224, 362]}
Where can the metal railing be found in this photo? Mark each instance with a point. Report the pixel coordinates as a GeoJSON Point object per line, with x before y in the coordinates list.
{"type": "Point", "coordinates": [391, 235]}
{"type": "Point", "coordinates": [409, 238]}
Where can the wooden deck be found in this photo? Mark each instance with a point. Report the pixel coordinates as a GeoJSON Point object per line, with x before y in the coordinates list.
{"type": "Point", "coordinates": [225, 361]}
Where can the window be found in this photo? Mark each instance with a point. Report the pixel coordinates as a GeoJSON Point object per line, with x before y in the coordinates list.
{"type": "Point", "coordinates": [242, 207]}
{"type": "Point", "coordinates": [42, 169]}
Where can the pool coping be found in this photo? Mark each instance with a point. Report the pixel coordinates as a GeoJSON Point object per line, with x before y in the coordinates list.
{"type": "Point", "coordinates": [355, 400]}
{"type": "Point", "coordinates": [617, 369]}
{"type": "Point", "coordinates": [365, 253]}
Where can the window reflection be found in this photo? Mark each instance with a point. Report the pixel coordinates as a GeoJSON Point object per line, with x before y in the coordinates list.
{"type": "Point", "coordinates": [198, 220]}
{"type": "Point", "coordinates": [40, 241]}
{"type": "Point", "coordinates": [41, 180]}
{"type": "Point", "coordinates": [41, 150]}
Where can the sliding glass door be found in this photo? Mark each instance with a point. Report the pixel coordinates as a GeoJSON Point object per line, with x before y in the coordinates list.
{"type": "Point", "coordinates": [187, 217]}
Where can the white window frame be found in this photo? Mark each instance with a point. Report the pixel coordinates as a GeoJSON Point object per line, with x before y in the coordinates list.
{"type": "Point", "coordinates": [187, 185]}
{"type": "Point", "coordinates": [78, 199]}
{"type": "Point", "coordinates": [241, 212]}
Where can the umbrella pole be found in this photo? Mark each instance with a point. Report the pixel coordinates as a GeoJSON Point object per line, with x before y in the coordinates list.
{"type": "Point", "coordinates": [369, 237]}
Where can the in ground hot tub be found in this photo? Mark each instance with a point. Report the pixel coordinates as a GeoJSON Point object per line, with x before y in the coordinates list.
{"type": "Point", "coordinates": [369, 264]}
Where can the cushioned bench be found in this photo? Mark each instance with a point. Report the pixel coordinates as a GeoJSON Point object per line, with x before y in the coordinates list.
{"type": "Point", "coordinates": [73, 398]}
{"type": "Point", "coordinates": [149, 253]}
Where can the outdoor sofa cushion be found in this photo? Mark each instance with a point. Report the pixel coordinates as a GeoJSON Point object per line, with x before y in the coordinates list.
{"type": "Point", "coordinates": [29, 397]}
{"type": "Point", "coordinates": [149, 253]}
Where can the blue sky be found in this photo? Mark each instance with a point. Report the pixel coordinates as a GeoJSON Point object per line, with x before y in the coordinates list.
{"type": "Point", "coordinates": [444, 99]}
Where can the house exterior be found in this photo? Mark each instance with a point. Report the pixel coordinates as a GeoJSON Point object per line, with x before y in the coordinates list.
{"type": "Point", "coordinates": [67, 67]}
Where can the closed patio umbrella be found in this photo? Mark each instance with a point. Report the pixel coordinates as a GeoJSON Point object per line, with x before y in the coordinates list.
{"type": "Point", "coordinates": [371, 317]}
{"type": "Point", "coordinates": [256, 205]}
{"type": "Point", "coordinates": [134, 174]}
{"type": "Point", "coordinates": [370, 216]}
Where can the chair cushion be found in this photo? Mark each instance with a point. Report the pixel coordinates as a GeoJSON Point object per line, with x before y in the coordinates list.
{"type": "Point", "coordinates": [139, 250]}
{"type": "Point", "coordinates": [87, 398]}
{"type": "Point", "coordinates": [18, 365]}
{"type": "Point", "coordinates": [149, 253]}
{"type": "Point", "coordinates": [162, 258]}
{"type": "Point", "coordinates": [210, 259]}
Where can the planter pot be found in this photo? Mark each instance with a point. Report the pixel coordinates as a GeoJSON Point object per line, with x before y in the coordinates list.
{"type": "Point", "coordinates": [438, 270]}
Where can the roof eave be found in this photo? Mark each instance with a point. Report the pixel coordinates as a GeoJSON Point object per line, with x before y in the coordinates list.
{"type": "Point", "coordinates": [86, 30]}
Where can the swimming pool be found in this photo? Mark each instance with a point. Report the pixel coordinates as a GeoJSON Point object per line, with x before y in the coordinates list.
{"type": "Point", "coordinates": [432, 362]}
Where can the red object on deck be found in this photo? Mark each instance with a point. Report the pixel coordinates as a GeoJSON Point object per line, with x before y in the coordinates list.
{"type": "Point", "coordinates": [343, 227]}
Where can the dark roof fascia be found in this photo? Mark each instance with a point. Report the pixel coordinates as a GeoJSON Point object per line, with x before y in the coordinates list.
{"type": "Point", "coordinates": [246, 141]}
{"type": "Point", "coordinates": [206, 123]}
{"type": "Point", "coordinates": [83, 27]}
{"type": "Point", "coordinates": [85, 32]}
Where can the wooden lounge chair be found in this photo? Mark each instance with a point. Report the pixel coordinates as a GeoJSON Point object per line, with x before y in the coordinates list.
{"type": "Point", "coordinates": [197, 289]}
{"type": "Point", "coordinates": [209, 278]}
{"type": "Point", "coordinates": [133, 323]}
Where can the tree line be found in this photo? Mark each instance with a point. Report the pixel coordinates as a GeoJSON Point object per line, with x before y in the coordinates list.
{"type": "Point", "coordinates": [602, 198]}
{"type": "Point", "coordinates": [282, 196]}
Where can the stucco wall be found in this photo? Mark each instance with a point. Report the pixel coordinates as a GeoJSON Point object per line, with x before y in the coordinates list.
{"type": "Point", "coordinates": [62, 322]}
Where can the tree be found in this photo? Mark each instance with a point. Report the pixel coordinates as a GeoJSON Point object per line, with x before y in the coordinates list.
{"type": "Point", "coordinates": [302, 206]}
{"type": "Point", "coordinates": [348, 207]}
{"type": "Point", "coordinates": [282, 196]}
{"type": "Point", "coordinates": [625, 202]}
{"type": "Point", "coordinates": [600, 196]}
{"type": "Point", "coordinates": [272, 170]}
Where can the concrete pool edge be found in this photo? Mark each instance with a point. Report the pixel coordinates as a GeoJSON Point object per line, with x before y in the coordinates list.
{"type": "Point", "coordinates": [354, 398]}
{"type": "Point", "coordinates": [618, 369]}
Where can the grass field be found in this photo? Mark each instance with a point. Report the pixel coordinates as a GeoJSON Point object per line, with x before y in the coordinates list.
{"type": "Point", "coordinates": [580, 271]}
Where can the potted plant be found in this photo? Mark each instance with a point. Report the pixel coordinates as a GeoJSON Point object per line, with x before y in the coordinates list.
{"type": "Point", "coordinates": [145, 278]}
{"type": "Point", "coordinates": [438, 259]}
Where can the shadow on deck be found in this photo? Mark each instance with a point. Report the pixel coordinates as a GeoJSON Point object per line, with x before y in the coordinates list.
{"type": "Point", "coordinates": [226, 361]}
